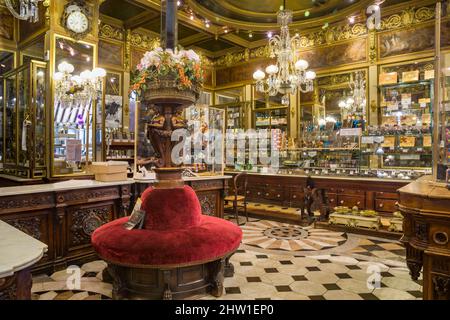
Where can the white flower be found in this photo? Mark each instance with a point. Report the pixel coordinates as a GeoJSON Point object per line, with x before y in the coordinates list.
{"type": "Point", "coordinates": [191, 55]}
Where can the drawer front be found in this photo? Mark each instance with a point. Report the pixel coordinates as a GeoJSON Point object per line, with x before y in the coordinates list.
{"type": "Point", "coordinates": [296, 195]}
{"type": "Point", "coordinates": [386, 195]}
{"type": "Point", "coordinates": [385, 205]}
{"type": "Point", "coordinates": [332, 199]}
{"type": "Point", "coordinates": [274, 194]}
{"type": "Point", "coordinates": [347, 191]}
{"type": "Point", "coordinates": [351, 201]}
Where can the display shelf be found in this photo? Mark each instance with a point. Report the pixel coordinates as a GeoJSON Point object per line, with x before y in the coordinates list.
{"type": "Point", "coordinates": [24, 138]}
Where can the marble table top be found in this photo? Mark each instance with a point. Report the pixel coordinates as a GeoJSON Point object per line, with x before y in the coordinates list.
{"type": "Point", "coordinates": [60, 186]}
{"type": "Point", "coordinates": [17, 250]}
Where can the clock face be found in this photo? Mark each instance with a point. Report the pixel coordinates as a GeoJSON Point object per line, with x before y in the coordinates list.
{"type": "Point", "coordinates": [77, 22]}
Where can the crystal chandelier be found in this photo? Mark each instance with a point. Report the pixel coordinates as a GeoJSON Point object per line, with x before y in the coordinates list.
{"type": "Point", "coordinates": [27, 9]}
{"type": "Point", "coordinates": [287, 75]}
{"type": "Point", "coordinates": [357, 99]}
{"type": "Point", "coordinates": [83, 87]}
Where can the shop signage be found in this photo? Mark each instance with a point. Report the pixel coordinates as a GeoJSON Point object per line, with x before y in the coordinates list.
{"type": "Point", "coordinates": [388, 78]}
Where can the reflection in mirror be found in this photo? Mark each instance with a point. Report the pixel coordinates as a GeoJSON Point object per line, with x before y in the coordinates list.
{"type": "Point", "coordinates": [229, 95]}
{"type": "Point", "coordinates": [76, 90]}
{"type": "Point", "coordinates": [6, 64]}
{"type": "Point", "coordinates": [343, 97]}
{"type": "Point", "coordinates": [34, 51]}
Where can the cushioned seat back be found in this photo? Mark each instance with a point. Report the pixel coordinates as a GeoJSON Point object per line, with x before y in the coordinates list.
{"type": "Point", "coordinates": [169, 209]}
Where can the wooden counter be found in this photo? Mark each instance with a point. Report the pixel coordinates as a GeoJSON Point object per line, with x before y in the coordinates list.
{"type": "Point", "coordinates": [63, 215]}
{"type": "Point", "coordinates": [290, 190]}
{"type": "Point", "coordinates": [426, 210]}
{"type": "Point", "coordinates": [18, 252]}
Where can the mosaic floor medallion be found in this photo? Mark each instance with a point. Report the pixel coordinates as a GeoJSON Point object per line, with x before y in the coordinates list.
{"type": "Point", "coordinates": [287, 237]}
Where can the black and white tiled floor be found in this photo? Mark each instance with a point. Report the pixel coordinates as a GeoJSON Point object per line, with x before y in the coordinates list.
{"type": "Point", "coordinates": [337, 269]}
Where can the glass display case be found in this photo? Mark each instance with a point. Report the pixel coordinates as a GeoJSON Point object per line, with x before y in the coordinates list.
{"type": "Point", "coordinates": [404, 136]}
{"type": "Point", "coordinates": [6, 64]}
{"type": "Point", "coordinates": [442, 149]}
{"type": "Point", "coordinates": [209, 122]}
{"type": "Point", "coordinates": [24, 139]}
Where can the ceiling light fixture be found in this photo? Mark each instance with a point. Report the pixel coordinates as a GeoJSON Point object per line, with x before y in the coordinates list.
{"type": "Point", "coordinates": [24, 9]}
{"type": "Point", "coordinates": [288, 74]}
{"type": "Point", "coordinates": [250, 34]}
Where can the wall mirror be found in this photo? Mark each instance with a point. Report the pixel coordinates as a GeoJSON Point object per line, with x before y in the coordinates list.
{"type": "Point", "coordinates": [343, 98]}
{"type": "Point", "coordinates": [74, 102]}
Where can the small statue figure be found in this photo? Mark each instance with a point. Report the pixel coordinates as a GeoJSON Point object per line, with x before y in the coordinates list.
{"type": "Point", "coordinates": [178, 120]}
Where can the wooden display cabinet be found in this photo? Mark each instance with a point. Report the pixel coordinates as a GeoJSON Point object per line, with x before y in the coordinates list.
{"type": "Point", "coordinates": [24, 121]}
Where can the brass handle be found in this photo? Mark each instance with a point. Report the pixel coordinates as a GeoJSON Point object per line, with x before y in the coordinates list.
{"type": "Point", "coordinates": [248, 192]}
{"type": "Point", "coordinates": [381, 205]}
{"type": "Point", "coordinates": [342, 201]}
{"type": "Point", "coordinates": [278, 195]}
{"type": "Point", "coordinates": [295, 197]}
{"type": "Point", "coordinates": [267, 194]}
{"type": "Point", "coordinates": [332, 200]}
{"type": "Point", "coordinates": [259, 193]}
{"type": "Point", "coordinates": [359, 202]}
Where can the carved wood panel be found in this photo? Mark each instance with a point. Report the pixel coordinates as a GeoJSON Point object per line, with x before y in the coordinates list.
{"type": "Point", "coordinates": [83, 220]}
{"type": "Point", "coordinates": [37, 225]}
{"type": "Point", "coordinates": [208, 202]}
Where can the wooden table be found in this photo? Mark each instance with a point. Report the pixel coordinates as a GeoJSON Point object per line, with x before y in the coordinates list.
{"type": "Point", "coordinates": [425, 206]}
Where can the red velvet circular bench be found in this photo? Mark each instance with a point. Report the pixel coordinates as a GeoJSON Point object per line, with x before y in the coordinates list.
{"type": "Point", "coordinates": [178, 253]}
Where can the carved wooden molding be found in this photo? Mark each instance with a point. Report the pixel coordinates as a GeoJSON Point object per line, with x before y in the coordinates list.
{"type": "Point", "coordinates": [143, 41]}
{"type": "Point", "coordinates": [28, 202]}
{"type": "Point", "coordinates": [108, 31]}
{"type": "Point", "coordinates": [408, 17]}
{"type": "Point", "coordinates": [202, 185]}
{"type": "Point", "coordinates": [86, 195]}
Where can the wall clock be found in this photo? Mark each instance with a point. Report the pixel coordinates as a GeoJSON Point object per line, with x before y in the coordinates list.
{"type": "Point", "coordinates": [77, 19]}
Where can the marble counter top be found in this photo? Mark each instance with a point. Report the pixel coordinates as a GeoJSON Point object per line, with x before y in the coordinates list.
{"type": "Point", "coordinates": [349, 177]}
{"type": "Point", "coordinates": [17, 250]}
{"type": "Point", "coordinates": [60, 186]}
{"type": "Point", "coordinates": [189, 179]}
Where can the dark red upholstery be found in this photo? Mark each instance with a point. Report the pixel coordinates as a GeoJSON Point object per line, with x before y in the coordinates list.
{"type": "Point", "coordinates": [180, 208]}
{"type": "Point", "coordinates": [175, 233]}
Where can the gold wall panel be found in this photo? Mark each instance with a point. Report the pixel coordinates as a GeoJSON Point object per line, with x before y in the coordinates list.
{"type": "Point", "coordinates": [340, 54]}
{"type": "Point", "coordinates": [240, 73]}
{"type": "Point", "coordinates": [136, 56]}
{"type": "Point", "coordinates": [110, 54]}
{"type": "Point", "coordinates": [412, 40]}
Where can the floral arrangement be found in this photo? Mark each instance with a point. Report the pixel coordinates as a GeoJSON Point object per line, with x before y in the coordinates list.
{"type": "Point", "coordinates": [181, 66]}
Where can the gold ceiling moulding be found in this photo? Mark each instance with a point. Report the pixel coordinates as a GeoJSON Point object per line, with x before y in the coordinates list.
{"type": "Point", "coordinates": [335, 34]}
{"type": "Point", "coordinates": [144, 41]}
{"type": "Point", "coordinates": [111, 32]}
{"type": "Point", "coordinates": [231, 7]}
{"type": "Point", "coordinates": [407, 17]}
{"type": "Point", "coordinates": [215, 18]}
